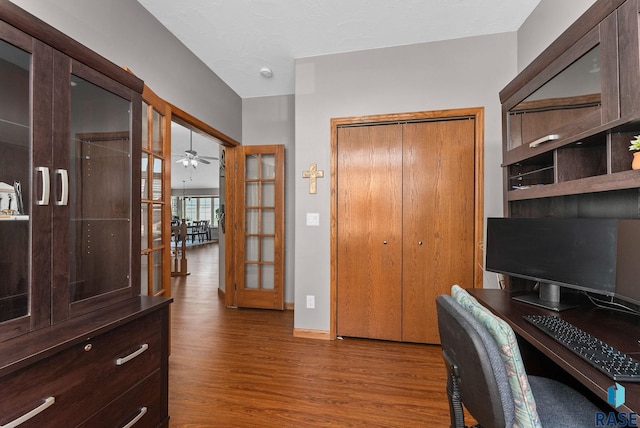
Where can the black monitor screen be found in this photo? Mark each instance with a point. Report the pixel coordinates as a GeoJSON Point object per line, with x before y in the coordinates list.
{"type": "Point", "coordinates": [577, 253]}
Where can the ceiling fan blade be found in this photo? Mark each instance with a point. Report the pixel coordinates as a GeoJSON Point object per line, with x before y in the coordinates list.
{"type": "Point", "coordinates": [208, 157]}
{"type": "Point", "coordinates": [182, 160]}
{"type": "Point", "coordinates": [204, 161]}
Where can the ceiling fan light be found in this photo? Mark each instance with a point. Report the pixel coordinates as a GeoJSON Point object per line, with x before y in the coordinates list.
{"type": "Point", "coordinates": [194, 163]}
{"type": "Point", "coordinates": [185, 163]}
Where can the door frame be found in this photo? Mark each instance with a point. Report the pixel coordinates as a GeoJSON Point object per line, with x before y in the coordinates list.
{"type": "Point", "coordinates": [173, 113]}
{"type": "Point", "coordinates": [230, 145]}
{"type": "Point", "coordinates": [477, 113]}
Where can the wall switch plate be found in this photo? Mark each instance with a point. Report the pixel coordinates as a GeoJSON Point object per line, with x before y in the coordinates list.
{"type": "Point", "coordinates": [311, 302]}
{"type": "Point", "coordinates": [313, 219]}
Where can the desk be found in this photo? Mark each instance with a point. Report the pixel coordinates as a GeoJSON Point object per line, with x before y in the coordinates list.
{"type": "Point", "coordinates": [617, 329]}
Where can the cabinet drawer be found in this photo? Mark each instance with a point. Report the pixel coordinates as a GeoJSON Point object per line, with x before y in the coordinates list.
{"type": "Point", "coordinates": [85, 377]}
{"type": "Point", "coordinates": [140, 407]}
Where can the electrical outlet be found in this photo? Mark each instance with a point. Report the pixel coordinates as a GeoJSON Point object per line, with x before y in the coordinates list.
{"type": "Point", "coordinates": [311, 302]}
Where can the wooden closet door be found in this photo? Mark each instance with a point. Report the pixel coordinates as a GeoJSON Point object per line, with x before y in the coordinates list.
{"type": "Point", "coordinates": [438, 218]}
{"type": "Point", "coordinates": [369, 232]}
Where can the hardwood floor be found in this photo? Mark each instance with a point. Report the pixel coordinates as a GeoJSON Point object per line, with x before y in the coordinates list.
{"type": "Point", "coordinates": [244, 368]}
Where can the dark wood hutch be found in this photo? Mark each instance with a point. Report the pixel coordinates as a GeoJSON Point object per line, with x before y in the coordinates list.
{"type": "Point", "coordinates": [79, 345]}
{"type": "Point", "coordinates": [568, 119]}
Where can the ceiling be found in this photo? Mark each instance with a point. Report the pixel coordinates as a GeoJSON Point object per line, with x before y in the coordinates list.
{"type": "Point", "coordinates": [203, 176]}
{"type": "Point", "coordinates": [236, 38]}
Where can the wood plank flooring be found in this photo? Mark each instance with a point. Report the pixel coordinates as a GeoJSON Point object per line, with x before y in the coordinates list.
{"type": "Point", "coordinates": [244, 368]}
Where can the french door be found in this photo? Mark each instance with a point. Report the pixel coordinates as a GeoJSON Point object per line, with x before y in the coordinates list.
{"type": "Point", "coordinates": [156, 196]}
{"type": "Point", "coordinates": [255, 228]}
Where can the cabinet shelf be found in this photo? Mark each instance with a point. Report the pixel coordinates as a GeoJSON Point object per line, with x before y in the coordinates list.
{"type": "Point", "coordinates": [14, 217]}
{"type": "Point", "coordinates": [85, 219]}
{"type": "Point", "coordinates": [528, 173]}
{"type": "Point", "coordinates": [12, 123]}
{"type": "Point", "coordinates": [601, 183]}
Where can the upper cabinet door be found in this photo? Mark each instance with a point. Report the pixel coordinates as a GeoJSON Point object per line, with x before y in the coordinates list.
{"type": "Point", "coordinates": [93, 191]}
{"type": "Point", "coordinates": [25, 123]}
{"type": "Point", "coordinates": [567, 98]}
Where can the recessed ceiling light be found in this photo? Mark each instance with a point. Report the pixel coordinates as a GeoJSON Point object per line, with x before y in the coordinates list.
{"type": "Point", "coordinates": [266, 72]}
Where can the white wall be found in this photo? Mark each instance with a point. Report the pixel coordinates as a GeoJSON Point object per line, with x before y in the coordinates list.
{"type": "Point", "coordinates": [451, 74]}
{"type": "Point", "coordinates": [270, 120]}
{"type": "Point", "coordinates": [126, 34]}
{"type": "Point", "coordinates": [545, 24]}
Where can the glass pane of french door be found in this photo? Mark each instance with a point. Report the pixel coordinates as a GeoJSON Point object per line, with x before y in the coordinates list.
{"type": "Point", "coordinates": [260, 221]}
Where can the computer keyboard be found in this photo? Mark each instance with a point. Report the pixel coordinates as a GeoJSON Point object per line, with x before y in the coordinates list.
{"type": "Point", "coordinates": [615, 364]}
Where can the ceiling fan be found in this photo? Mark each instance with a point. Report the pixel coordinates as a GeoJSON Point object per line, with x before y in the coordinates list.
{"type": "Point", "coordinates": [191, 157]}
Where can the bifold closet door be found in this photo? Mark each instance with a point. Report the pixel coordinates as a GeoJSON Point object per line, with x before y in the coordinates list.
{"type": "Point", "coordinates": [405, 225]}
{"type": "Point", "coordinates": [438, 219]}
{"type": "Point", "coordinates": [369, 232]}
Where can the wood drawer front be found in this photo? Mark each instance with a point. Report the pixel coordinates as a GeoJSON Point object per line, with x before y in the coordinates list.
{"type": "Point", "coordinates": [129, 407]}
{"type": "Point", "coordinates": [84, 378]}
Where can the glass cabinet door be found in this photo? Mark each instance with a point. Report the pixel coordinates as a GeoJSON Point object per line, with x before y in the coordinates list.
{"type": "Point", "coordinates": [99, 191]}
{"type": "Point", "coordinates": [15, 183]}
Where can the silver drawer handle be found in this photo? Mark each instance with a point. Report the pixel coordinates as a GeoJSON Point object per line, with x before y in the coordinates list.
{"type": "Point", "coordinates": [64, 196]}
{"type": "Point", "coordinates": [544, 139]}
{"type": "Point", "coordinates": [24, 418]}
{"type": "Point", "coordinates": [46, 188]}
{"type": "Point", "coordinates": [123, 360]}
{"type": "Point", "coordinates": [141, 413]}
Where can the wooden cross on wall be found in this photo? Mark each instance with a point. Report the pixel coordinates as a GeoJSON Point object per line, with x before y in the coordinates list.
{"type": "Point", "coordinates": [312, 175]}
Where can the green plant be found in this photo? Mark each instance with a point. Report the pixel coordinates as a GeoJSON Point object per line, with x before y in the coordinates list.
{"type": "Point", "coordinates": [635, 143]}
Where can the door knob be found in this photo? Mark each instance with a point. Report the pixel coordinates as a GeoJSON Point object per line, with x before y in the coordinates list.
{"type": "Point", "coordinates": [384, 242]}
{"type": "Point", "coordinates": [419, 242]}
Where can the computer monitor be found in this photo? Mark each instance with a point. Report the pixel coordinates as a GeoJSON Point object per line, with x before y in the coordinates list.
{"type": "Point", "coordinates": [593, 255]}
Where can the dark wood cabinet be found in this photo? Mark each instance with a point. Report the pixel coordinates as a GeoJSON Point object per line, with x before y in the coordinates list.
{"type": "Point", "coordinates": [568, 119]}
{"type": "Point", "coordinates": [105, 368]}
{"type": "Point", "coordinates": [79, 346]}
{"type": "Point", "coordinates": [71, 233]}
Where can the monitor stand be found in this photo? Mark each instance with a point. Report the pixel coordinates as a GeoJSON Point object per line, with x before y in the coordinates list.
{"type": "Point", "coordinates": [548, 297]}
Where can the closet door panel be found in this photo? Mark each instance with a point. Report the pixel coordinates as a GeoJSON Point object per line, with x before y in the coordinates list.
{"type": "Point", "coordinates": [369, 233]}
{"type": "Point", "coordinates": [438, 218]}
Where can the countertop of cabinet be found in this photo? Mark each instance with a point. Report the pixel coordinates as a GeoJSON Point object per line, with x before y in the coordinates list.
{"type": "Point", "coordinates": [29, 348]}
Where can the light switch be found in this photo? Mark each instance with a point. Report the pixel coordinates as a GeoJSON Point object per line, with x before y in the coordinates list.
{"type": "Point", "coordinates": [313, 219]}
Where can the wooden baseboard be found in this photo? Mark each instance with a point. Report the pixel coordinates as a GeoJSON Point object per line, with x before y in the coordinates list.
{"type": "Point", "coordinates": [221, 293]}
{"type": "Point", "coordinates": [311, 334]}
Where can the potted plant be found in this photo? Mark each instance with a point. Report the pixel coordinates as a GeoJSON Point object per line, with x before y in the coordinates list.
{"type": "Point", "coordinates": [634, 147]}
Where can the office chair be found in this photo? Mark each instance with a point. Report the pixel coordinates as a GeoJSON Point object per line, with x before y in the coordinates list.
{"type": "Point", "coordinates": [481, 381]}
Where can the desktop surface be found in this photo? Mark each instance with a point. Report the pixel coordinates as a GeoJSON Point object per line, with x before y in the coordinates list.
{"type": "Point", "coordinates": [619, 330]}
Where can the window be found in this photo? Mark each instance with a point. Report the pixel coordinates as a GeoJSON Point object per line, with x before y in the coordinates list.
{"type": "Point", "coordinates": [193, 208]}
